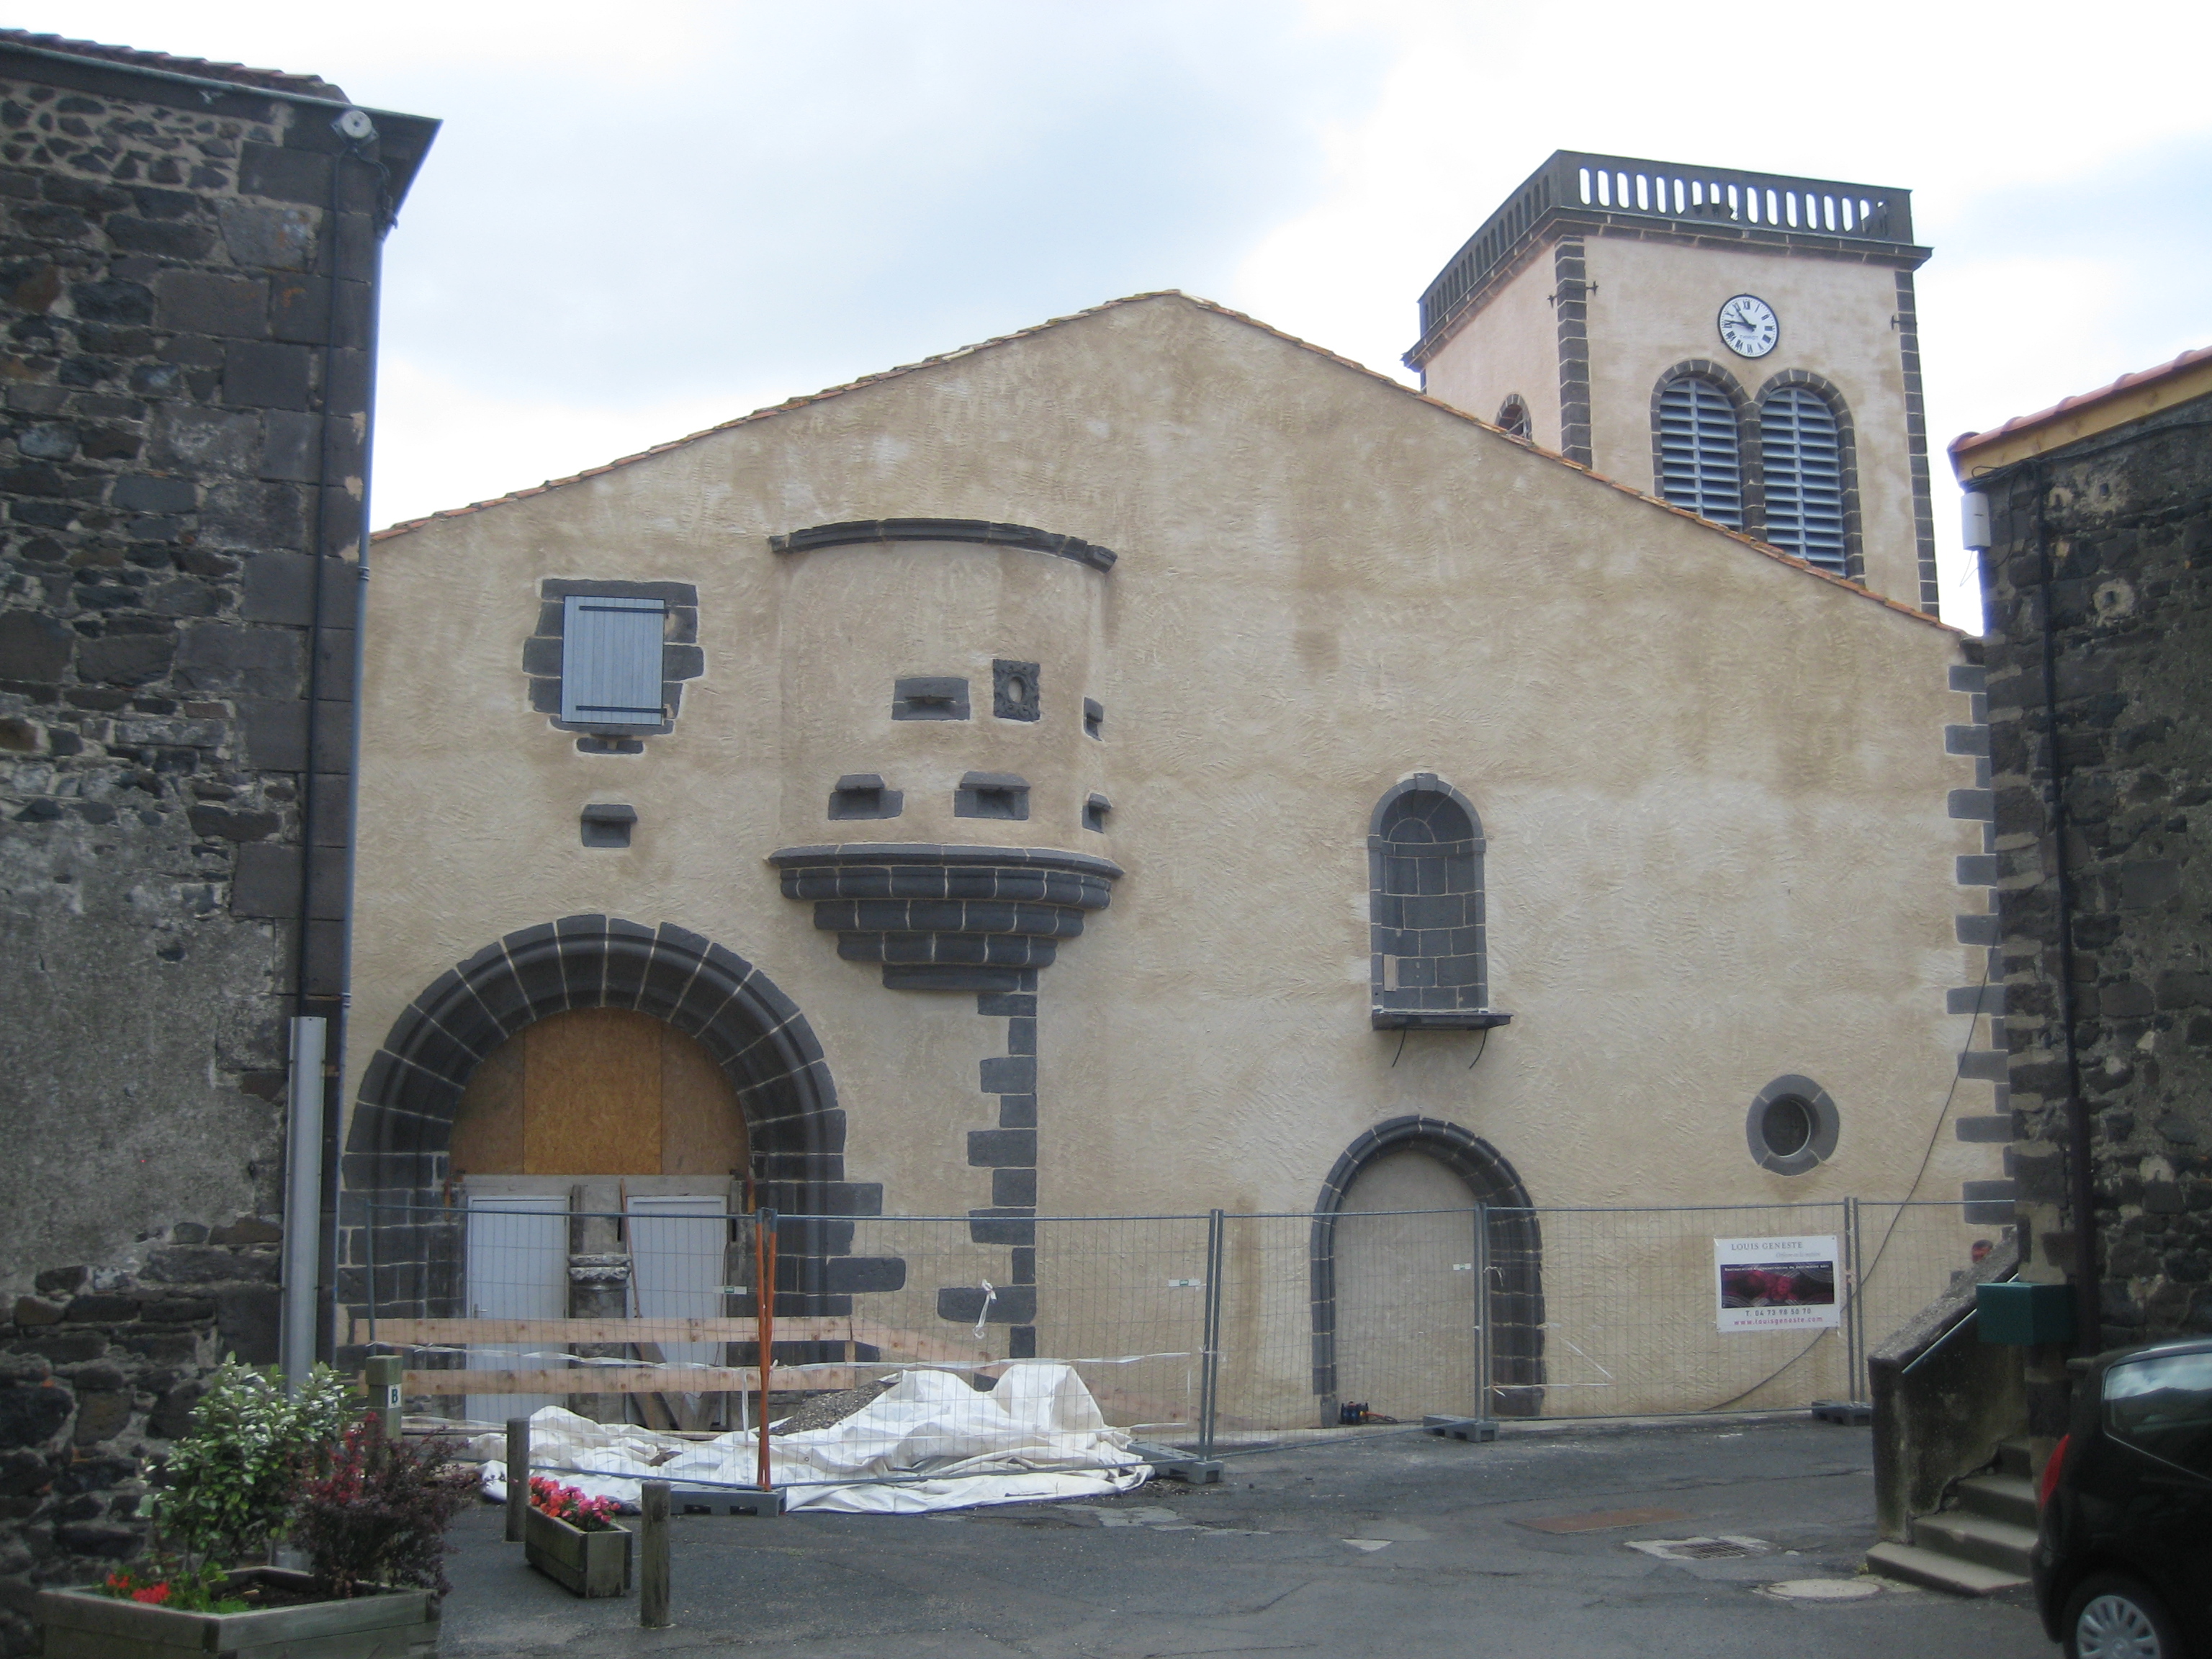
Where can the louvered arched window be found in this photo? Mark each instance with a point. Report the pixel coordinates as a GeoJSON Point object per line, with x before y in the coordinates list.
{"type": "Point", "coordinates": [1802, 463]}
{"type": "Point", "coordinates": [1700, 464]}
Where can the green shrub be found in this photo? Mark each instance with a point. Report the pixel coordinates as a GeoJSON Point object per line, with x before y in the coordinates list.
{"type": "Point", "coordinates": [228, 1485]}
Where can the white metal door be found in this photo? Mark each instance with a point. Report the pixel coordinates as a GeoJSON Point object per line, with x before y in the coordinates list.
{"type": "Point", "coordinates": [677, 1246]}
{"type": "Point", "coordinates": [518, 1269]}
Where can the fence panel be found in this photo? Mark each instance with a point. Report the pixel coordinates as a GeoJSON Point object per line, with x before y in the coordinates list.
{"type": "Point", "coordinates": [1230, 1329]}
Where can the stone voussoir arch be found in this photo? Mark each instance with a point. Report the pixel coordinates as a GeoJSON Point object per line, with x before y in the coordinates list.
{"type": "Point", "coordinates": [397, 1149]}
{"type": "Point", "coordinates": [1516, 1249]}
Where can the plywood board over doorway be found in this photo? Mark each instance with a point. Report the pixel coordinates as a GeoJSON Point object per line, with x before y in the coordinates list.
{"type": "Point", "coordinates": [591, 1089]}
{"type": "Point", "coordinates": [600, 1091]}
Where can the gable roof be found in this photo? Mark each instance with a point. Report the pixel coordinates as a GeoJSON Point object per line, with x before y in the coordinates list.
{"type": "Point", "coordinates": [408, 526]}
{"type": "Point", "coordinates": [2130, 398]}
{"type": "Point", "coordinates": [200, 69]}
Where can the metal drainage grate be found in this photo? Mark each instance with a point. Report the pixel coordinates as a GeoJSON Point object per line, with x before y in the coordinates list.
{"type": "Point", "coordinates": [1724, 1549]}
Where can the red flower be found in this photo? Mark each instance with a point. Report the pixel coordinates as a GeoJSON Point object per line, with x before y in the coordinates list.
{"type": "Point", "coordinates": [154, 1594]}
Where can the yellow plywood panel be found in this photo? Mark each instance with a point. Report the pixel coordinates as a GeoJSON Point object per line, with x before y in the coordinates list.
{"type": "Point", "coordinates": [487, 1126]}
{"type": "Point", "coordinates": [592, 1094]}
{"type": "Point", "coordinates": [605, 1379]}
{"type": "Point", "coordinates": [892, 1342]}
{"type": "Point", "coordinates": [702, 1128]}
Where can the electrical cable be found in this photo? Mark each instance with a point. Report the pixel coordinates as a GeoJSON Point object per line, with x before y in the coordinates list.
{"type": "Point", "coordinates": [1897, 1208]}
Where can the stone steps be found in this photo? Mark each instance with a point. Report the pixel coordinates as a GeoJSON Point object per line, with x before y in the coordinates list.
{"type": "Point", "coordinates": [2008, 1497]}
{"type": "Point", "coordinates": [1914, 1565]}
{"type": "Point", "coordinates": [1982, 1545]}
{"type": "Point", "coordinates": [1977, 1539]}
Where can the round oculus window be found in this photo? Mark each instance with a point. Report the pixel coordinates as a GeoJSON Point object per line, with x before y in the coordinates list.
{"type": "Point", "coordinates": [1786, 1127]}
{"type": "Point", "coordinates": [1792, 1127]}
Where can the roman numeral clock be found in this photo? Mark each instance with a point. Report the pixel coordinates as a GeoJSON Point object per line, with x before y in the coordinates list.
{"type": "Point", "coordinates": [1748, 326]}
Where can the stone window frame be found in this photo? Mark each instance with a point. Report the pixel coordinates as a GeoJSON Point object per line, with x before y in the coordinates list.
{"type": "Point", "coordinates": [1827, 1126]}
{"type": "Point", "coordinates": [864, 795]}
{"type": "Point", "coordinates": [929, 698]}
{"type": "Point", "coordinates": [982, 795]}
{"type": "Point", "coordinates": [1016, 691]}
{"type": "Point", "coordinates": [681, 656]}
{"type": "Point", "coordinates": [1749, 471]}
{"type": "Point", "coordinates": [1517, 1256]}
{"type": "Point", "coordinates": [1514, 418]}
{"type": "Point", "coordinates": [1388, 1009]}
{"type": "Point", "coordinates": [1847, 460]}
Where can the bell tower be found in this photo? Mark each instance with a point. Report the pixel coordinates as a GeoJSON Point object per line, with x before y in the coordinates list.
{"type": "Point", "coordinates": [1742, 345]}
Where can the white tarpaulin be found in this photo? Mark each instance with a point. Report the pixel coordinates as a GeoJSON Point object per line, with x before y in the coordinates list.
{"type": "Point", "coordinates": [1038, 1434]}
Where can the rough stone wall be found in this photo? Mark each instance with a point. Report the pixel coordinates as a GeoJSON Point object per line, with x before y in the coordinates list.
{"type": "Point", "coordinates": [184, 371]}
{"type": "Point", "coordinates": [2125, 520]}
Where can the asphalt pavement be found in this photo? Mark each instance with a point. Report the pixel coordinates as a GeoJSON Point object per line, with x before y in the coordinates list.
{"type": "Point", "coordinates": [1752, 1535]}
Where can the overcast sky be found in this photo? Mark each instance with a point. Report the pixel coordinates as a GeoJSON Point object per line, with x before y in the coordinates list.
{"type": "Point", "coordinates": [644, 218]}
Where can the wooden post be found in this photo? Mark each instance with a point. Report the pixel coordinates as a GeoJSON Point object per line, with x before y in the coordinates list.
{"type": "Point", "coordinates": [518, 1476]}
{"type": "Point", "coordinates": [380, 1376]}
{"type": "Point", "coordinates": [653, 1556]}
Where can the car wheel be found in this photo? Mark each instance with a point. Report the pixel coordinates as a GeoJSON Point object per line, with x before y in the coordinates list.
{"type": "Point", "coordinates": [2110, 1616]}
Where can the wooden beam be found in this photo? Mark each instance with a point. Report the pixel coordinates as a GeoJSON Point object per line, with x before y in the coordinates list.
{"type": "Point", "coordinates": [630, 1379]}
{"type": "Point", "coordinates": [565, 1332]}
{"type": "Point", "coordinates": [892, 1341]}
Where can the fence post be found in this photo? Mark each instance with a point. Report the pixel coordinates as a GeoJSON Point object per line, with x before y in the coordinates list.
{"type": "Point", "coordinates": [1485, 1380]}
{"type": "Point", "coordinates": [1209, 1366]}
{"type": "Point", "coordinates": [653, 1553]}
{"type": "Point", "coordinates": [1856, 1308]}
{"type": "Point", "coordinates": [764, 1327]}
{"type": "Point", "coordinates": [518, 1475]}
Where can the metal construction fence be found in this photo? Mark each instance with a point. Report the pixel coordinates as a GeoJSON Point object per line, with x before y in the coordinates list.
{"type": "Point", "coordinates": [1206, 1331]}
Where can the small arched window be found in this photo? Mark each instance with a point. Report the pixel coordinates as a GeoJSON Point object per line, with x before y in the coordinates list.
{"type": "Point", "coordinates": [1425, 908]}
{"type": "Point", "coordinates": [1513, 417]}
{"type": "Point", "coordinates": [1802, 451]}
{"type": "Point", "coordinates": [1700, 457]}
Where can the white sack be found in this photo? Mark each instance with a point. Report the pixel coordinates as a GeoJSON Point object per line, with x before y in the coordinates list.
{"type": "Point", "coordinates": [1038, 1434]}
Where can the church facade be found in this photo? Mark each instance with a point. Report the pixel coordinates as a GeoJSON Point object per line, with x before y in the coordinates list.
{"type": "Point", "coordinates": [1141, 765]}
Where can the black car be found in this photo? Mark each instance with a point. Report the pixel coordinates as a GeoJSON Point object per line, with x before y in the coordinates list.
{"type": "Point", "coordinates": [2123, 1563]}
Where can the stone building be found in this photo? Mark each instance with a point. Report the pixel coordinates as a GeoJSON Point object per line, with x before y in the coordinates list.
{"type": "Point", "coordinates": [2098, 538]}
{"type": "Point", "coordinates": [1142, 764]}
{"type": "Point", "coordinates": [189, 284]}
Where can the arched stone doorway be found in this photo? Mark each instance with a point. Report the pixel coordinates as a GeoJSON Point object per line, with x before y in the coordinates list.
{"type": "Point", "coordinates": [1393, 1294]}
{"type": "Point", "coordinates": [399, 1146]}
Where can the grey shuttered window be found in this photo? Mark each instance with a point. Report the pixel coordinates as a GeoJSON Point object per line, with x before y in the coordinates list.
{"type": "Point", "coordinates": [610, 661]}
{"type": "Point", "coordinates": [1699, 464]}
{"type": "Point", "coordinates": [1803, 466]}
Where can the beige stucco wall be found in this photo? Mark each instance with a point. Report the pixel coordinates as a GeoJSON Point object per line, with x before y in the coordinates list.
{"type": "Point", "coordinates": [1656, 305]}
{"type": "Point", "coordinates": [1714, 786]}
{"type": "Point", "coordinates": [1511, 345]}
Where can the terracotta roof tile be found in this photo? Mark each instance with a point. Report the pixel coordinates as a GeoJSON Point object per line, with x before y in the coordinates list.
{"type": "Point", "coordinates": [1968, 443]}
{"type": "Point", "coordinates": [306, 86]}
{"type": "Point", "coordinates": [789, 405]}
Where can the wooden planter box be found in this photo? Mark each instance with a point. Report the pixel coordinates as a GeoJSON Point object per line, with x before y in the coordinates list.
{"type": "Point", "coordinates": [391, 1624]}
{"type": "Point", "coordinates": [591, 1563]}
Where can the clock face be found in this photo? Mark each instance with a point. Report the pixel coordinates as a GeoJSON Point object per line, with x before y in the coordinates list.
{"type": "Point", "coordinates": [1748, 326]}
